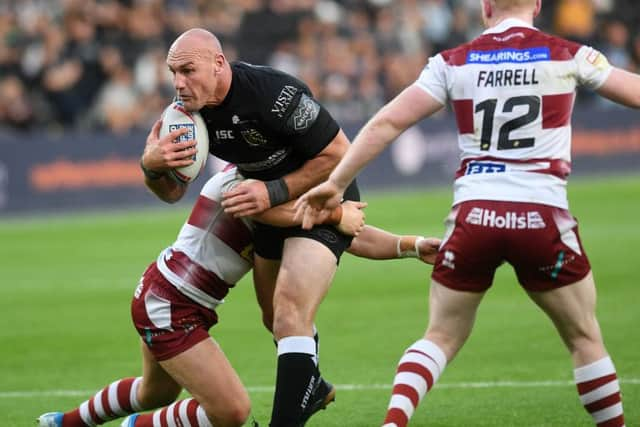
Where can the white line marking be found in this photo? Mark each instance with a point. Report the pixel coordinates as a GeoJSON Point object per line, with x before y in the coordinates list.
{"type": "Point", "coordinates": [345, 387]}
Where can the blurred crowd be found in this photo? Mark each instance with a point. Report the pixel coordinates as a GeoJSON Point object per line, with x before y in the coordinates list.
{"type": "Point", "coordinates": [100, 64]}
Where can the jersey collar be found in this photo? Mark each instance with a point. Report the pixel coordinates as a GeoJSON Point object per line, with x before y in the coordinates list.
{"type": "Point", "coordinates": [506, 24]}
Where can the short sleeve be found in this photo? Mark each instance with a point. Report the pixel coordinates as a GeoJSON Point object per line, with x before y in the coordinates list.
{"type": "Point", "coordinates": [593, 67]}
{"type": "Point", "coordinates": [433, 80]}
{"type": "Point", "coordinates": [301, 120]}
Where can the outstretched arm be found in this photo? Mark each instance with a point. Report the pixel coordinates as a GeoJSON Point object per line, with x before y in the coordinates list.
{"type": "Point", "coordinates": [375, 243]}
{"type": "Point", "coordinates": [622, 87]}
{"type": "Point", "coordinates": [394, 118]}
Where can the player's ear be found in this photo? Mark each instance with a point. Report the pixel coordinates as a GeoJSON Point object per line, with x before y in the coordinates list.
{"type": "Point", "coordinates": [218, 63]}
{"type": "Point", "coordinates": [487, 10]}
{"type": "Point", "coordinates": [536, 11]}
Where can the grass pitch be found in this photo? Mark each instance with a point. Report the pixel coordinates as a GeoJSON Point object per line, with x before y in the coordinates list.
{"type": "Point", "coordinates": [66, 331]}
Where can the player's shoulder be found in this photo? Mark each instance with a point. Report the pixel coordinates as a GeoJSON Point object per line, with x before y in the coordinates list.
{"type": "Point", "coordinates": [515, 40]}
{"type": "Point", "coordinates": [269, 89]}
{"type": "Point", "coordinates": [263, 77]}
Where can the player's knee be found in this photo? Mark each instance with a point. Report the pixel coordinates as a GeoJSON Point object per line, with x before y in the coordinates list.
{"type": "Point", "coordinates": [288, 319]}
{"type": "Point", "coordinates": [235, 413]}
{"type": "Point", "coordinates": [287, 314]}
{"type": "Point", "coordinates": [585, 343]}
{"type": "Point", "coordinates": [449, 343]}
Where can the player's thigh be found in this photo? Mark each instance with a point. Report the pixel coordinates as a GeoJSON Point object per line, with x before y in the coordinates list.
{"type": "Point", "coordinates": [207, 374]}
{"type": "Point", "coordinates": [157, 388]}
{"type": "Point", "coordinates": [265, 274]}
{"type": "Point", "coordinates": [452, 314]}
{"type": "Point", "coordinates": [571, 308]}
{"type": "Point", "coordinates": [306, 272]}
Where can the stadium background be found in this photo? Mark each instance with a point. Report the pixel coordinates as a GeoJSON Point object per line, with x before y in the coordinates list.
{"type": "Point", "coordinates": [81, 81]}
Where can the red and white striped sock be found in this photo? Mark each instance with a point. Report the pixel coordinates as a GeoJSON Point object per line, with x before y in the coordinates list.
{"type": "Point", "coordinates": [181, 413]}
{"type": "Point", "coordinates": [418, 370]}
{"type": "Point", "coordinates": [114, 401]}
{"type": "Point", "coordinates": [600, 392]}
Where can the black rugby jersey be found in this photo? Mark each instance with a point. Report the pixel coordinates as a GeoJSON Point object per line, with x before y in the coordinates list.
{"type": "Point", "coordinates": [268, 124]}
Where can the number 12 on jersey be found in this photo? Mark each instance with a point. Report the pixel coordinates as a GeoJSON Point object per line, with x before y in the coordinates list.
{"type": "Point", "coordinates": [505, 142]}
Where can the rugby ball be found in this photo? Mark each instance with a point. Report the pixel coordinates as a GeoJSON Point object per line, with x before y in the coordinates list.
{"type": "Point", "coordinates": [174, 117]}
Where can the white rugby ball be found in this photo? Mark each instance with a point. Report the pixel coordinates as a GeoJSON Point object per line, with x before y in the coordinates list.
{"type": "Point", "coordinates": [174, 117]}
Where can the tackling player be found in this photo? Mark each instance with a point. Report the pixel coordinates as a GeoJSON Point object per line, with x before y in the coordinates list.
{"type": "Point", "coordinates": [175, 304]}
{"type": "Point", "coordinates": [512, 90]}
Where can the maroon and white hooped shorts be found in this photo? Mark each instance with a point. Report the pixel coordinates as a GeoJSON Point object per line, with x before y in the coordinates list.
{"type": "Point", "coordinates": [168, 322]}
{"type": "Point", "coordinates": [540, 242]}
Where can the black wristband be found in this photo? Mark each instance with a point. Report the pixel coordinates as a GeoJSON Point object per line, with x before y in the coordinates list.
{"type": "Point", "coordinates": [278, 191]}
{"type": "Point", "coordinates": [152, 175]}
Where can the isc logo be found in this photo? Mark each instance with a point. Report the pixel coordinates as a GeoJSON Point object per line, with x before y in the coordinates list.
{"type": "Point", "coordinates": [224, 134]}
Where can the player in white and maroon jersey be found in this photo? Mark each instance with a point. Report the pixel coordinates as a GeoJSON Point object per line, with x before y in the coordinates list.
{"type": "Point", "coordinates": [512, 90]}
{"type": "Point", "coordinates": [174, 306]}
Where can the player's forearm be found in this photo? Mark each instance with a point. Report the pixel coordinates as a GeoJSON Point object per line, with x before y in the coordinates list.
{"type": "Point", "coordinates": [375, 243]}
{"type": "Point", "coordinates": [368, 144]}
{"type": "Point", "coordinates": [160, 184]}
{"type": "Point", "coordinates": [166, 189]}
{"type": "Point", "coordinates": [405, 110]}
{"type": "Point", "coordinates": [622, 87]}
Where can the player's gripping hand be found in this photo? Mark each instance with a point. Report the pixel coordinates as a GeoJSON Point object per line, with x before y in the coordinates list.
{"type": "Point", "coordinates": [323, 197]}
{"type": "Point", "coordinates": [352, 220]}
{"type": "Point", "coordinates": [428, 249]}
{"type": "Point", "coordinates": [423, 248]}
{"type": "Point", "coordinates": [162, 154]}
{"type": "Point", "coordinates": [250, 197]}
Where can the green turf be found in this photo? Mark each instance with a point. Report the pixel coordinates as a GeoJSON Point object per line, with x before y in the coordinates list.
{"type": "Point", "coordinates": [65, 328]}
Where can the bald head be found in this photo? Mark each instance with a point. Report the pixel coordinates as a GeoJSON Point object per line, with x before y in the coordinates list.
{"type": "Point", "coordinates": [201, 73]}
{"type": "Point", "coordinates": [196, 40]}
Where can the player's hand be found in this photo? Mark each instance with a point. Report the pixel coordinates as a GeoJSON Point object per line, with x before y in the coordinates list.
{"type": "Point", "coordinates": [317, 201]}
{"type": "Point", "coordinates": [249, 197]}
{"type": "Point", "coordinates": [428, 249]}
{"type": "Point", "coordinates": [352, 221]}
{"type": "Point", "coordinates": [161, 154]}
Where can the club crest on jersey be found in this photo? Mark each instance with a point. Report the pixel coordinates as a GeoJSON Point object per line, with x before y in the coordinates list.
{"type": "Point", "coordinates": [253, 137]}
{"type": "Point", "coordinates": [517, 56]}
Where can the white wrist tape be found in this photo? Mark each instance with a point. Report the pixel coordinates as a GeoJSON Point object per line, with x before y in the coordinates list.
{"type": "Point", "coordinates": [410, 253]}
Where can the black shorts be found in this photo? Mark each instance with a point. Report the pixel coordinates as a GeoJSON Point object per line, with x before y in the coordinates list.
{"type": "Point", "coordinates": [268, 240]}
